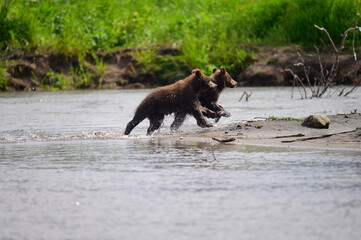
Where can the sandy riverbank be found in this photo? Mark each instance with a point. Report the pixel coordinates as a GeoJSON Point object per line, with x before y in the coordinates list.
{"type": "Point", "coordinates": [344, 133]}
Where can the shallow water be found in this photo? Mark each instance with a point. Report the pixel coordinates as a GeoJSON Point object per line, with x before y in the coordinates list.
{"type": "Point", "coordinates": [43, 116]}
{"type": "Point", "coordinates": [67, 172]}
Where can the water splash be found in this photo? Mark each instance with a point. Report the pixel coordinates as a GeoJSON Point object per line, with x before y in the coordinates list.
{"type": "Point", "coordinates": [19, 136]}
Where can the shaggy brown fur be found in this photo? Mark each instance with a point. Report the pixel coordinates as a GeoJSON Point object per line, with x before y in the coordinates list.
{"type": "Point", "coordinates": [181, 96]}
{"type": "Point", "coordinates": [210, 97]}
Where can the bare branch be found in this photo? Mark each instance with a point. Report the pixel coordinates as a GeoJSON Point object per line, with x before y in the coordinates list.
{"type": "Point", "coordinates": [354, 87]}
{"type": "Point", "coordinates": [318, 137]}
{"type": "Point", "coordinates": [329, 37]}
{"type": "Point", "coordinates": [326, 78]}
{"type": "Point", "coordinates": [248, 95]}
{"type": "Point", "coordinates": [306, 70]}
{"type": "Point", "coordinates": [343, 89]}
{"type": "Point", "coordinates": [353, 39]}
{"type": "Point", "coordinates": [335, 66]}
{"type": "Point", "coordinates": [296, 78]}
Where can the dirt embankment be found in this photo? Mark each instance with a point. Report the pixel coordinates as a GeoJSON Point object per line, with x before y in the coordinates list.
{"type": "Point", "coordinates": [131, 68]}
{"type": "Point", "coordinates": [126, 68]}
{"type": "Point", "coordinates": [271, 62]}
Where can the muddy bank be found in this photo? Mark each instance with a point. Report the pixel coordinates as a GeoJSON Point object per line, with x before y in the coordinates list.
{"type": "Point", "coordinates": [271, 62]}
{"type": "Point", "coordinates": [143, 68]}
{"type": "Point", "coordinates": [126, 68]}
{"type": "Point", "coordinates": [344, 133]}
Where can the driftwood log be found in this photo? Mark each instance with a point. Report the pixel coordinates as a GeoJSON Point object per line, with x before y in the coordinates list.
{"type": "Point", "coordinates": [224, 140]}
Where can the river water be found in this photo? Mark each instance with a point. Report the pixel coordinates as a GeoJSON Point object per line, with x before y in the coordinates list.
{"type": "Point", "coordinates": [67, 172]}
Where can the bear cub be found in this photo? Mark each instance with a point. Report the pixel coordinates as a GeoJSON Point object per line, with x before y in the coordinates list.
{"type": "Point", "coordinates": [181, 96]}
{"type": "Point", "coordinates": [209, 98]}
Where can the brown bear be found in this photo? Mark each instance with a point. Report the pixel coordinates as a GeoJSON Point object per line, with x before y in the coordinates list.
{"type": "Point", "coordinates": [209, 98]}
{"type": "Point", "coordinates": [181, 96]}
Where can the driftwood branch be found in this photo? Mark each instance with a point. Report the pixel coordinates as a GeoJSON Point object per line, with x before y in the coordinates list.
{"type": "Point", "coordinates": [354, 87]}
{"type": "Point", "coordinates": [224, 140]}
{"type": "Point", "coordinates": [248, 95]}
{"type": "Point", "coordinates": [340, 94]}
{"type": "Point", "coordinates": [318, 137]}
{"type": "Point", "coordinates": [289, 136]}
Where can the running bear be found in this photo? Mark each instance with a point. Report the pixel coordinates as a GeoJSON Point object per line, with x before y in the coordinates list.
{"type": "Point", "coordinates": [209, 98]}
{"type": "Point", "coordinates": [181, 96]}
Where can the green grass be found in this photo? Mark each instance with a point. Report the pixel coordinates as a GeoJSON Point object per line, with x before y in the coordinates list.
{"type": "Point", "coordinates": [274, 118]}
{"type": "Point", "coordinates": [209, 32]}
{"type": "Point", "coordinates": [4, 79]}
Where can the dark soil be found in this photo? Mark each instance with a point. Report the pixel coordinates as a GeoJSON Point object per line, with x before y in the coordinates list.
{"type": "Point", "coordinates": [122, 69]}
{"type": "Point", "coordinates": [269, 70]}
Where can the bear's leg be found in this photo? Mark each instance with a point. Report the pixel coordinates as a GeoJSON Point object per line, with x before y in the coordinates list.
{"type": "Point", "coordinates": [217, 115]}
{"type": "Point", "coordinates": [197, 114]}
{"type": "Point", "coordinates": [223, 114]}
{"type": "Point", "coordinates": [179, 118]}
{"type": "Point", "coordinates": [209, 113]}
{"type": "Point", "coordinates": [135, 121]}
{"type": "Point", "coordinates": [155, 122]}
{"type": "Point", "coordinates": [219, 109]}
{"type": "Point", "coordinates": [213, 106]}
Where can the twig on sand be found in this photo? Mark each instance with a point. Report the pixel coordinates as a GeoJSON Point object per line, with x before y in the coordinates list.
{"type": "Point", "coordinates": [289, 136]}
{"type": "Point", "coordinates": [224, 140]}
{"type": "Point", "coordinates": [318, 137]}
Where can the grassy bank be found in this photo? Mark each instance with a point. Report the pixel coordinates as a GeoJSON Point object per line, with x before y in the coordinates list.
{"type": "Point", "coordinates": [208, 32]}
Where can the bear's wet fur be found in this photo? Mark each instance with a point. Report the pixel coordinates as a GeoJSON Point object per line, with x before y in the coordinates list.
{"type": "Point", "coordinates": [181, 96]}
{"type": "Point", "coordinates": [209, 98]}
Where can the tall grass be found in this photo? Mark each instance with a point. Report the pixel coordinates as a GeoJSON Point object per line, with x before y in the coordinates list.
{"type": "Point", "coordinates": [209, 32]}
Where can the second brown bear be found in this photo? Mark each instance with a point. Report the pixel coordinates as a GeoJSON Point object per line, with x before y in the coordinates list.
{"type": "Point", "coordinates": [209, 98]}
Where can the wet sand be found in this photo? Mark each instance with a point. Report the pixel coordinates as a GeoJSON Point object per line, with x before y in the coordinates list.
{"type": "Point", "coordinates": [344, 133]}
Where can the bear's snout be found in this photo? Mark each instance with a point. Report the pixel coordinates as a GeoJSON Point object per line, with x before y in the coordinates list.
{"type": "Point", "coordinates": [212, 84]}
{"type": "Point", "coordinates": [233, 83]}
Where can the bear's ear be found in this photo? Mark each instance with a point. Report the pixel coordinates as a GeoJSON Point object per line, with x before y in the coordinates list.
{"type": "Point", "coordinates": [215, 69]}
{"type": "Point", "coordinates": [197, 72]}
{"type": "Point", "coordinates": [223, 70]}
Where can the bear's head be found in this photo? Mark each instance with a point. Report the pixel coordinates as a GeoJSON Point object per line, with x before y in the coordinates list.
{"type": "Point", "coordinates": [203, 81]}
{"type": "Point", "coordinates": [222, 78]}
